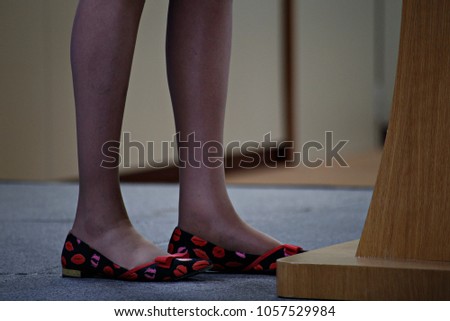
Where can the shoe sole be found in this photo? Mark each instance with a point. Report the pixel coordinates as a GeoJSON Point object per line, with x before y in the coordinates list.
{"type": "Point", "coordinates": [80, 274]}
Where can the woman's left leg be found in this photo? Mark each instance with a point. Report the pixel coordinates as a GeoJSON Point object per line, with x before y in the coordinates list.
{"type": "Point", "coordinates": [198, 60]}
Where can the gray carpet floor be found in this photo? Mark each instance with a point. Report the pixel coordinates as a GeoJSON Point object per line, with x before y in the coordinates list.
{"type": "Point", "coordinates": [35, 218]}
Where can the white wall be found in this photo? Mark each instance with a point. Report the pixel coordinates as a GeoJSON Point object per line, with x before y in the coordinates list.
{"type": "Point", "coordinates": [347, 57]}
{"type": "Point", "coordinates": [392, 11]}
{"type": "Point", "coordinates": [335, 71]}
{"type": "Point", "coordinates": [24, 95]}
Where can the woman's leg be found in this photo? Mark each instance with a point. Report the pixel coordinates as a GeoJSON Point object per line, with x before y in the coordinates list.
{"type": "Point", "coordinates": [103, 41]}
{"type": "Point", "coordinates": [198, 59]}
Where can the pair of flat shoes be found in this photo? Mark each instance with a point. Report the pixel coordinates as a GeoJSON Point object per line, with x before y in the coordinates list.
{"type": "Point", "coordinates": [189, 255]}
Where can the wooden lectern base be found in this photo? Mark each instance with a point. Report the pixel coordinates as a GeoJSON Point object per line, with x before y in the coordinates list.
{"type": "Point", "coordinates": [336, 273]}
{"type": "Point", "coordinates": [404, 251]}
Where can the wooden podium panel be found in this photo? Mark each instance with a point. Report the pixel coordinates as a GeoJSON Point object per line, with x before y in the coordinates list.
{"type": "Point", "coordinates": [404, 251]}
{"type": "Point", "coordinates": [336, 273]}
{"type": "Point", "coordinates": [411, 200]}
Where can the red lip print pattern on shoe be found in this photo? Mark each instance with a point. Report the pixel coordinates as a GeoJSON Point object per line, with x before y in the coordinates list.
{"type": "Point", "coordinates": [78, 259]}
{"type": "Point", "coordinates": [229, 261]}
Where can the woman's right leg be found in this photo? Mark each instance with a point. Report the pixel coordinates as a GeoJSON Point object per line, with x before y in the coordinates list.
{"type": "Point", "coordinates": [103, 41]}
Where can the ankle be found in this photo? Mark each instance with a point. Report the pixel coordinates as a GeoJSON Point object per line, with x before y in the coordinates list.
{"type": "Point", "coordinates": [206, 212]}
{"type": "Point", "coordinates": [93, 225]}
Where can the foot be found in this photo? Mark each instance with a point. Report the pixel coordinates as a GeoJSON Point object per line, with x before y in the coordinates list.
{"type": "Point", "coordinates": [120, 243]}
{"type": "Point", "coordinates": [228, 230]}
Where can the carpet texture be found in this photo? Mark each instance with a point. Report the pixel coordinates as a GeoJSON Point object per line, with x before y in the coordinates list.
{"type": "Point", "coordinates": [37, 216]}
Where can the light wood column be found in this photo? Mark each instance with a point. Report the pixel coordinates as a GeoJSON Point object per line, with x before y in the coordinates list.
{"type": "Point", "coordinates": [404, 251]}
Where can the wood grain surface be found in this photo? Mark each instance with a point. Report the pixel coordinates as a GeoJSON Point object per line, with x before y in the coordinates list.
{"type": "Point", "coordinates": [404, 251]}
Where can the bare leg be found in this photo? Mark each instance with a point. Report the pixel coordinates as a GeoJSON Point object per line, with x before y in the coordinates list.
{"type": "Point", "coordinates": [103, 41]}
{"type": "Point", "coordinates": [198, 59]}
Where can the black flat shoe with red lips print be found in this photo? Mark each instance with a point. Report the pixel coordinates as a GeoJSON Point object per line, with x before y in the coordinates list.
{"type": "Point", "coordinates": [78, 259]}
{"type": "Point", "coordinates": [229, 261]}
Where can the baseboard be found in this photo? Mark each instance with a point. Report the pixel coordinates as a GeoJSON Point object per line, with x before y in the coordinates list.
{"type": "Point", "coordinates": [233, 163]}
